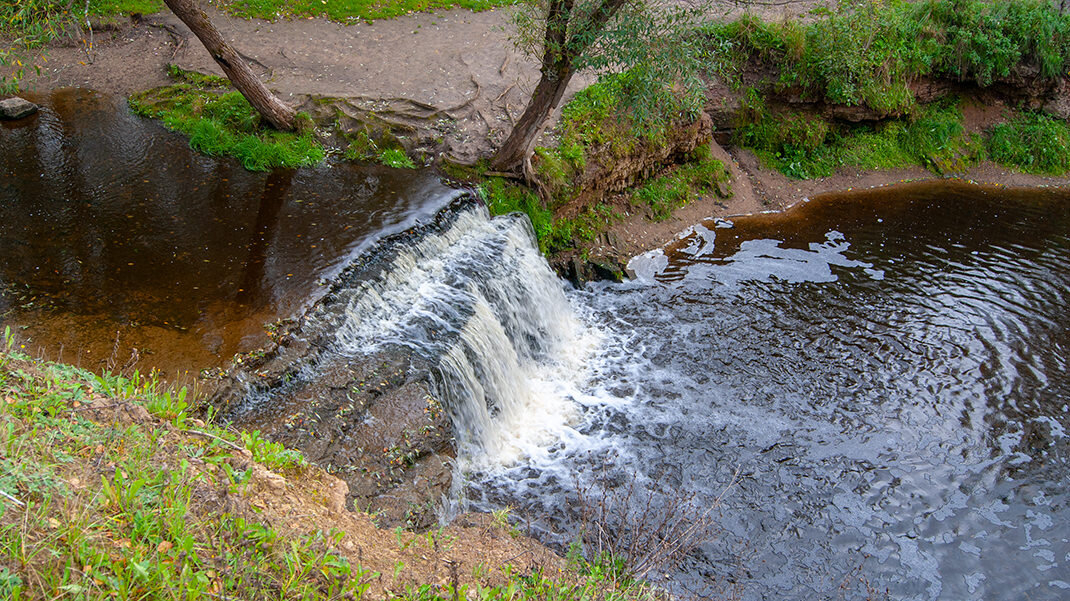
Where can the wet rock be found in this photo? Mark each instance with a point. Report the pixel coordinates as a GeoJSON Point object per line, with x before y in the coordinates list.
{"type": "Point", "coordinates": [16, 108]}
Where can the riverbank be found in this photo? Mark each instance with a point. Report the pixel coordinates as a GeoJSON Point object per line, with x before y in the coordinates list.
{"type": "Point", "coordinates": [110, 488]}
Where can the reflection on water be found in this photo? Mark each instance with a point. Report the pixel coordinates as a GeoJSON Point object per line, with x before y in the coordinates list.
{"type": "Point", "coordinates": [888, 371]}
{"type": "Point", "coordinates": [111, 228]}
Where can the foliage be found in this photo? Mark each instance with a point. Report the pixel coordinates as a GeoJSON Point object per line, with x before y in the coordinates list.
{"type": "Point", "coordinates": [1032, 142]}
{"type": "Point", "coordinates": [29, 25]}
{"type": "Point", "coordinates": [806, 146]}
{"type": "Point", "coordinates": [868, 51]}
{"type": "Point", "coordinates": [220, 122]}
{"type": "Point", "coordinates": [646, 57]}
{"type": "Point", "coordinates": [348, 11]}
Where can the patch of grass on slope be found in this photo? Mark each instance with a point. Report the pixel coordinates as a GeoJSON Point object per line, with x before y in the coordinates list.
{"type": "Point", "coordinates": [806, 146]}
{"type": "Point", "coordinates": [867, 52]}
{"type": "Point", "coordinates": [221, 122]}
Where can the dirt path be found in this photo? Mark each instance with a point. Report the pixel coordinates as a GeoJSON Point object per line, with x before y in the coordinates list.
{"type": "Point", "coordinates": [453, 60]}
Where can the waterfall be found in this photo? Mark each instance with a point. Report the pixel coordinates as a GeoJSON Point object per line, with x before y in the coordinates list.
{"type": "Point", "coordinates": [480, 303]}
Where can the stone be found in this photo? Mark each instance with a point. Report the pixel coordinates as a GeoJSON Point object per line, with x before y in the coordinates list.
{"type": "Point", "coordinates": [16, 108]}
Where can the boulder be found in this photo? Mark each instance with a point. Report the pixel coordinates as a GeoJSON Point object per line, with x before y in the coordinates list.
{"type": "Point", "coordinates": [16, 108]}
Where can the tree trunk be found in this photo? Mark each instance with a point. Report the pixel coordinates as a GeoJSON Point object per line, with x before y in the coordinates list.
{"type": "Point", "coordinates": [517, 147]}
{"type": "Point", "coordinates": [278, 114]}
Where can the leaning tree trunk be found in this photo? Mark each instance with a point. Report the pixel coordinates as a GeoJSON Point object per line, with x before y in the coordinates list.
{"type": "Point", "coordinates": [278, 114]}
{"type": "Point", "coordinates": [517, 147]}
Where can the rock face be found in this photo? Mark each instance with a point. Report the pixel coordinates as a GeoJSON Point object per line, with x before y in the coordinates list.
{"type": "Point", "coordinates": [16, 108]}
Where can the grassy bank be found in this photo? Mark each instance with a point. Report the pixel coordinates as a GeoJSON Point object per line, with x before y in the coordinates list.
{"type": "Point", "coordinates": [220, 122]}
{"type": "Point", "coordinates": [935, 137]}
{"type": "Point", "coordinates": [869, 56]}
{"type": "Point", "coordinates": [595, 132]}
{"type": "Point", "coordinates": [109, 489]}
{"type": "Point", "coordinates": [867, 53]}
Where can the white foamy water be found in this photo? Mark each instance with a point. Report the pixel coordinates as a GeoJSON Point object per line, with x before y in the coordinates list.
{"type": "Point", "coordinates": [480, 301]}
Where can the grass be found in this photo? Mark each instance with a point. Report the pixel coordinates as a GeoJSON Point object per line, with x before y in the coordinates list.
{"type": "Point", "coordinates": [683, 184]}
{"type": "Point", "coordinates": [125, 7]}
{"type": "Point", "coordinates": [806, 146]}
{"type": "Point", "coordinates": [220, 122]}
{"type": "Point", "coordinates": [1033, 143]}
{"type": "Point", "coordinates": [867, 53]}
{"type": "Point", "coordinates": [110, 490]}
{"type": "Point", "coordinates": [348, 11]}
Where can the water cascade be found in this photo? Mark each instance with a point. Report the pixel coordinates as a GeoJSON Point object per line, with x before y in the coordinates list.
{"type": "Point", "coordinates": [479, 302]}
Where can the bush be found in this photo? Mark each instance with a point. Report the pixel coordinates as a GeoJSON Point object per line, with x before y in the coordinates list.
{"type": "Point", "coordinates": [802, 146]}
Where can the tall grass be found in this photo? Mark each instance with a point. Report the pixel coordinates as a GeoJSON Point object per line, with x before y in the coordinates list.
{"type": "Point", "coordinates": [806, 146]}
{"type": "Point", "coordinates": [1032, 142]}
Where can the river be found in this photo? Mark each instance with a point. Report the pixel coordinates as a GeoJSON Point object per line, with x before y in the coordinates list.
{"type": "Point", "coordinates": [867, 393]}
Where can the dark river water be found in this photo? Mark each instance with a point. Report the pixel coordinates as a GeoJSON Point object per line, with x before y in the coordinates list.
{"type": "Point", "coordinates": [868, 393]}
{"type": "Point", "coordinates": [886, 372]}
{"type": "Point", "coordinates": [115, 236]}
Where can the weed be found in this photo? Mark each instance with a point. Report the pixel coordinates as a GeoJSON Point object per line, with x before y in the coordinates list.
{"type": "Point", "coordinates": [272, 455]}
{"type": "Point", "coordinates": [396, 158]}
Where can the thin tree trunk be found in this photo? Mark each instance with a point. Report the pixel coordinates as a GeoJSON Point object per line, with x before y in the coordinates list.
{"type": "Point", "coordinates": [559, 53]}
{"type": "Point", "coordinates": [518, 146]}
{"type": "Point", "coordinates": [278, 114]}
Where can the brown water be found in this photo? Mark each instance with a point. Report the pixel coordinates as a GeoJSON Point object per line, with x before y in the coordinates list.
{"type": "Point", "coordinates": [121, 248]}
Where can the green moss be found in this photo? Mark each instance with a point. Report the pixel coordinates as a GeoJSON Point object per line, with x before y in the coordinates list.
{"type": "Point", "coordinates": [197, 79]}
{"type": "Point", "coordinates": [222, 123]}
